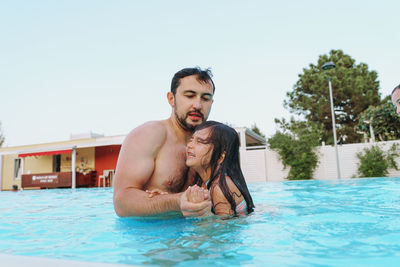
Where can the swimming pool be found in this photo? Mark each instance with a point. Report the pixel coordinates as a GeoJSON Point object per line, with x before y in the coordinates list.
{"type": "Point", "coordinates": [298, 223]}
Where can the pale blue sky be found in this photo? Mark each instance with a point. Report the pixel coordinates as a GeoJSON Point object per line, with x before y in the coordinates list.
{"type": "Point", "coordinates": [106, 66]}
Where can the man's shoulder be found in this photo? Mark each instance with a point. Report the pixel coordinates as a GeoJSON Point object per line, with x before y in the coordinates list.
{"type": "Point", "coordinates": [154, 132]}
{"type": "Point", "coordinates": [151, 126]}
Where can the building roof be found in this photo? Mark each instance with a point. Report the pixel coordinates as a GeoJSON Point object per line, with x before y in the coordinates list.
{"type": "Point", "coordinates": [95, 140]}
{"type": "Point", "coordinates": [252, 138]}
{"type": "Point", "coordinates": [64, 145]}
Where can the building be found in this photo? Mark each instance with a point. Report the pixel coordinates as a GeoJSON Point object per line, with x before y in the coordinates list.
{"type": "Point", "coordinates": [86, 160]}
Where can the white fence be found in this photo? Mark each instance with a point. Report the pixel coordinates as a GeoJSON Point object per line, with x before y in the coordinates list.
{"type": "Point", "coordinates": [264, 164]}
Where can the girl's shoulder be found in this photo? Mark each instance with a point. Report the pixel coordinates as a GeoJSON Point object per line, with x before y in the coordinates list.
{"type": "Point", "coordinates": [234, 191]}
{"type": "Point", "coordinates": [223, 206]}
{"type": "Point", "coordinates": [231, 185]}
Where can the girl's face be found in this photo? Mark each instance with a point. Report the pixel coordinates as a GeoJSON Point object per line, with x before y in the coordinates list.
{"type": "Point", "coordinates": [198, 151]}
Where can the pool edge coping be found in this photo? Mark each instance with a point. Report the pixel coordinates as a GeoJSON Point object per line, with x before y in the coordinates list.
{"type": "Point", "coordinates": [23, 261]}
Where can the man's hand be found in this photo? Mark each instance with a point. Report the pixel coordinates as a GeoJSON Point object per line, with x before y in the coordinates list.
{"type": "Point", "coordinates": [195, 202]}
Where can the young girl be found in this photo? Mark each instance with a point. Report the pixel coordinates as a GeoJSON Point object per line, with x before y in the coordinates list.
{"type": "Point", "coordinates": [213, 152]}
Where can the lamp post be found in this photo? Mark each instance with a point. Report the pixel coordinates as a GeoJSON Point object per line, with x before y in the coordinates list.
{"type": "Point", "coordinates": [327, 66]}
{"type": "Point", "coordinates": [371, 130]}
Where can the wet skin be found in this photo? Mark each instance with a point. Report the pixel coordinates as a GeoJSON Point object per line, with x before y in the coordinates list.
{"type": "Point", "coordinates": [153, 157]}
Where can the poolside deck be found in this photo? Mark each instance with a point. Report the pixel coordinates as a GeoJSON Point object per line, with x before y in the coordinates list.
{"type": "Point", "coordinates": [23, 261]}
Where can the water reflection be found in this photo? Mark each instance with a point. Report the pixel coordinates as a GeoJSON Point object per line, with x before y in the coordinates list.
{"type": "Point", "coordinates": [179, 241]}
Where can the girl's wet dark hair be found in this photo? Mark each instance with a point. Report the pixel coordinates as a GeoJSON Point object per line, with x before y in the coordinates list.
{"type": "Point", "coordinates": [204, 76]}
{"type": "Point", "coordinates": [225, 140]}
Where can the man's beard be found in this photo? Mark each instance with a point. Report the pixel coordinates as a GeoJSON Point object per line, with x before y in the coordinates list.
{"type": "Point", "coordinates": [182, 120]}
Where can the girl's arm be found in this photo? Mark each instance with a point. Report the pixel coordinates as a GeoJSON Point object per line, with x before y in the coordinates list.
{"type": "Point", "coordinates": [219, 201]}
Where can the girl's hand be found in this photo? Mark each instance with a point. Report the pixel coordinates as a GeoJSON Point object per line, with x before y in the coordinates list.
{"type": "Point", "coordinates": [195, 202]}
{"type": "Point", "coordinates": [196, 194]}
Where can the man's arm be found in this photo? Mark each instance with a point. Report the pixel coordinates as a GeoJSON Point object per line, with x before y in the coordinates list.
{"type": "Point", "coordinates": [134, 169]}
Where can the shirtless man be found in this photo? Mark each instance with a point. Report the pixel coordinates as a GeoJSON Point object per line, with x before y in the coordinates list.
{"type": "Point", "coordinates": [153, 155]}
{"type": "Point", "coordinates": [396, 98]}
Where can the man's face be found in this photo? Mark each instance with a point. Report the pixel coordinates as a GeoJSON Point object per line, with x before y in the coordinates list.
{"type": "Point", "coordinates": [192, 102]}
{"type": "Point", "coordinates": [396, 100]}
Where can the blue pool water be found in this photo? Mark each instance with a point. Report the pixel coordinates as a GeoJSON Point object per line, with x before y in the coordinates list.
{"type": "Point", "coordinates": [306, 223]}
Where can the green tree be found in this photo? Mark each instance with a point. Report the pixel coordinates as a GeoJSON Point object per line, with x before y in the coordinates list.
{"type": "Point", "coordinates": [385, 121]}
{"type": "Point", "coordinates": [354, 89]}
{"type": "Point", "coordinates": [374, 162]}
{"type": "Point", "coordinates": [255, 129]}
{"type": "Point", "coordinates": [295, 143]}
{"type": "Point", "coordinates": [1, 136]}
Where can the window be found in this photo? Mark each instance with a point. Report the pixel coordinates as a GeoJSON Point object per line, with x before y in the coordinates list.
{"type": "Point", "coordinates": [17, 168]}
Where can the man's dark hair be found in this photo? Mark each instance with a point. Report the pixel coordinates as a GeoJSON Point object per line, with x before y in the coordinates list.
{"type": "Point", "coordinates": [396, 88]}
{"type": "Point", "coordinates": [203, 76]}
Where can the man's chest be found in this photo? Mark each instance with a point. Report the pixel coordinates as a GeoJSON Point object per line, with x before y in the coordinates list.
{"type": "Point", "coordinates": [170, 171]}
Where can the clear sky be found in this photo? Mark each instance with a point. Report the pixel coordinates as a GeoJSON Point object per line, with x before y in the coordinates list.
{"type": "Point", "coordinates": [106, 66]}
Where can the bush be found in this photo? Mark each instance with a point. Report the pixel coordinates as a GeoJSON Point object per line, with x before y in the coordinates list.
{"type": "Point", "coordinates": [374, 162]}
{"type": "Point", "coordinates": [296, 145]}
